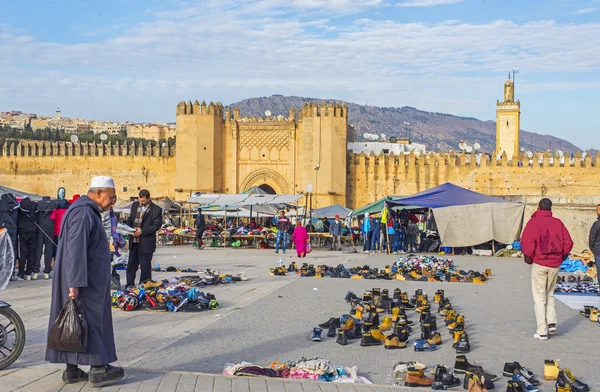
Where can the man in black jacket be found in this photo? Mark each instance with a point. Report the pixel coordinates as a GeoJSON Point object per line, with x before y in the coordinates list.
{"type": "Point", "coordinates": [200, 226]}
{"type": "Point", "coordinates": [45, 236]}
{"type": "Point", "coordinates": [28, 230]}
{"type": "Point", "coordinates": [595, 242]}
{"type": "Point", "coordinates": [146, 218]}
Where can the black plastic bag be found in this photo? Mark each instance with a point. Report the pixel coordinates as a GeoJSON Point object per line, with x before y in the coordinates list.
{"type": "Point", "coordinates": [69, 331]}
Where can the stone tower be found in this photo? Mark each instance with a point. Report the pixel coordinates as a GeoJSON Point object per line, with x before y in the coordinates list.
{"type": "Point", "coordinates": [199, 147]}
{"type": "Point", "coordinates": [508, 121]}
{"type": "Point", "coordinates": [322, 139]}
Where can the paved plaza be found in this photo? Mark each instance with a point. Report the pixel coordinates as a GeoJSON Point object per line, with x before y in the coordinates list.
{"type": "Point", "coordinates": [268, 319]}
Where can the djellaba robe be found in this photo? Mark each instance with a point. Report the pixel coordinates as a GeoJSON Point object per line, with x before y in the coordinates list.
{"type": "Point", "coordinates": [83, 261]}
{"type": "Point", "coordinates": [300, 238]}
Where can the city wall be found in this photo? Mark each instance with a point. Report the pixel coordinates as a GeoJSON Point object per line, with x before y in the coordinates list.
{"type": "Point", "coordinates": [42, 167]}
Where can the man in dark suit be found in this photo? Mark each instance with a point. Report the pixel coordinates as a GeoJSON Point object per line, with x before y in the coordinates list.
{"type": "Point", "coordinates": [146, 218]}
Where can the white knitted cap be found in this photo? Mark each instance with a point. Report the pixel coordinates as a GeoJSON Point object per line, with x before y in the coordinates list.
{"type": "Point", "coordinates": [102, 182]}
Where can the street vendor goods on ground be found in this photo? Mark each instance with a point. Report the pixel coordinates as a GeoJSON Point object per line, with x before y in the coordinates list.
{"type": "Point", "coordinates": [411, 268]}
{"type": "Point", "coordinates": [318, 369]}
{"type": "Point", "coordinates": [174, 294]}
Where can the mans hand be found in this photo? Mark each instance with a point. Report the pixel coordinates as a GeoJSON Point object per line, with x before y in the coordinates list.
{"type": "Point", "coordinates": [73, 292]}
{"type": "Point", "coordinates": [138, 232]}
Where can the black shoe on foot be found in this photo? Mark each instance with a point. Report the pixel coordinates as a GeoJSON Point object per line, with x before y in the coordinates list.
{"type": "Point", "coordinates": [101, 376]}
{"type": "Point", "coordinates": [73, 377]}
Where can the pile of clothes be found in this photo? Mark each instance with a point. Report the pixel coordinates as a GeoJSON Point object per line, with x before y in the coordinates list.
{"type": "Point", "coordinates": [412, 268]}
{"type": "Point", "coordinates": [317, 369]}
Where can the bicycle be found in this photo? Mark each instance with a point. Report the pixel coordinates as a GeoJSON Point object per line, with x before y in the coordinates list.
{"type": "Point", "coordinates": [12, 335]}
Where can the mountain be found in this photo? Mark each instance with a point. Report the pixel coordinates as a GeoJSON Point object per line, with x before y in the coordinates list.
{"type": "Point", "coordinates": [438, 131]}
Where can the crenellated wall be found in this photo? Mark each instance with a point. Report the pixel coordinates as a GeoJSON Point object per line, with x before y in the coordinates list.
{"type": "Point", "coordinates": [43, 167]}
{"type": "Point", "coordinates": [374, 176]}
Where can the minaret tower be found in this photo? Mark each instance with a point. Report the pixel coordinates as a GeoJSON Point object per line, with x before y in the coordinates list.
{"type": "Point", "coordinates": [508, 121]}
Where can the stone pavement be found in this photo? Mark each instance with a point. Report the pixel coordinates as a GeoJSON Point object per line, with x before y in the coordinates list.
{"type": "Point", "coordinates": [268, 319]}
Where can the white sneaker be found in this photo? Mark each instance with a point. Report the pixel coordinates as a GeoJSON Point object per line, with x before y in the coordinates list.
{"type": "Point", "coordinates": [34, 276]}
{"type": "Point", "coordinates": [46, 276]}
{"type": "Point", "coordinates": [540, 337]}
{"type": "Point", "coordinates": [27, 277]}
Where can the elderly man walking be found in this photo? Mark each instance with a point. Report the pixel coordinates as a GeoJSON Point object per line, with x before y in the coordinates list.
{"type": "Point", "coordinates": [595, 242]}
{"type": "Point", "coordinates": [546, 243]}
{"type": "Point", "coordinates": [82, 272]}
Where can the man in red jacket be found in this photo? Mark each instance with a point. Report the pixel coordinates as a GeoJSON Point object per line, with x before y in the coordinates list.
{"type": "Point", "coordinates": [546, 243]}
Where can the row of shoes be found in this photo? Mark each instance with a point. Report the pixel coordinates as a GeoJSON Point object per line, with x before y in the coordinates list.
{"type": "Point", "coordinates": [455, 323]}
{"type": "Point", "coordinates": [591, 313]}
{"type": "Point", "coordinates": [565, 379]}
{"type": "Point", "coordinates": [586, 285]}
{"type": "Point", "coordinates": [435, 272]}
{"type": "Point", "coordinates": [164, 299]}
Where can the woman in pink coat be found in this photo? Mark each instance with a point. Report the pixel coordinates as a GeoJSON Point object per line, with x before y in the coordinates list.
{"type": "Point", "coordinates": [301, 239]}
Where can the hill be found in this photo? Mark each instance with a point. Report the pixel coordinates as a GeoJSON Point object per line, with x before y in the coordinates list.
{"type": "Point", "coordinates": [438, 131]}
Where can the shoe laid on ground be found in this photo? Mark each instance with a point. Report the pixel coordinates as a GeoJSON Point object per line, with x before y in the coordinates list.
{"type": "Point", "coordinates": [524, 383]}
{"type": "Point", "coordinates": [473, 383]}
{"type": "Point", "coordinates": [439, 372]}
{"type": "Point", "coordinates": [463, 346]}
{"type": "Point", "coordinates": [561, 386]}
{"type": "Point", "coordinates": [512, 386]}
{"type": "Point", "coordinates": [74, 377]}
{"type": "Point", "coordinates": [368, 340]}
{"type": "Point", "coordinates": [462, 365]}
{"type": "Point", "coordinates": [392, 342]}
{"type": "Point", "coordinates": [551, 369]}
{"type": "Point", "coordinates": [27, 277]}
{"type": "Point", "coordinates": [565, 375]}
{"type": "Point", "coordinates": [552, 329]}
{"type": "Point", "coordinates": [510, 367]}
{"type": "Point", "coordinates": [332, 331]}
{"type": "Point", "coordinates": [341, 338]}
{"type": "Point", "coordinates": [105, 375]}
{"type": "Point", "coordinates": [334, 320]}
{"type": "Point", "coordinates": [540, 337]}
{"type": "Point", "coordinates": [386, 324]}
{"type": "Point", "coordinates": [422, 345]}
{"type": "Point", "coordinates": [416, 378]}
{"type": "Point", "coordinates": [435, 339]}
{"type": "Point", "coordinates": [316, 334]}
{"type": "Point", "coordinates": [377, 334]}
{"type": "Point", "coordinates": [525, 373]}
{"type": "Point", "coordinates": [593, 315]}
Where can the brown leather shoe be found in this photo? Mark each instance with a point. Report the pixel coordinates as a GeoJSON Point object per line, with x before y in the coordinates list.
{"type": "Point", "coordinates": [416, 378]}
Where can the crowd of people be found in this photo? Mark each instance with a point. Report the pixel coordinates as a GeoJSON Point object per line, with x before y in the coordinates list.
{"type": "Point", "coordinates": [396, 231]}
{"type": "Point", "coordinates": [34, 228]}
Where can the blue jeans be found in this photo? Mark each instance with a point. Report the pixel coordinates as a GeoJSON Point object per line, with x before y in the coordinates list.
{"type": "Point", "coordinates": [375, 240]}
{"type": "Point", "coordinates": [281, 238]}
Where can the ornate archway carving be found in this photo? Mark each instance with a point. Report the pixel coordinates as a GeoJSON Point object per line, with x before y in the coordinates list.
{"type": "Point", "coordinates": [266, 176]}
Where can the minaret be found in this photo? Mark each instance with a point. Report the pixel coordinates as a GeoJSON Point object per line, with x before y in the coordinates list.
{"type": "Point", "coordinates": [58, 115]}
{"type": "Point", "coordinates": [508, 121]}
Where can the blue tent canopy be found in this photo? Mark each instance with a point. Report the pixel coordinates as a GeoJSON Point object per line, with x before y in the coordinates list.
{"type": "Point", "coordinates": [445, 195]}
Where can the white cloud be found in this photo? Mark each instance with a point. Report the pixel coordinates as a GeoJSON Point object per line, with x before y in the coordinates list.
{"type": "Point", "coordinates": [427, 3]}
{"type": "Point", "coordinates": [232, 50]}
{"type": "Point", "coordinates": [585, 11]}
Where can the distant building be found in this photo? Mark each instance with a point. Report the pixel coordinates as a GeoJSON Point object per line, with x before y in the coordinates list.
{"type": "Point", "coordinates": [401, 146]}
{"type": "Point", "coordinates": [152, 131]}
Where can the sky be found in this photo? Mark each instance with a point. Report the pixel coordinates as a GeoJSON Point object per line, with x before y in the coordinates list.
{"type": "Point", "coordinates": [133, 60]}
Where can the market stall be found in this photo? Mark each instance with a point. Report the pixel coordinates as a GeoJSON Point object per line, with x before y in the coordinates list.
{"type": "Point", "coordinates": [467, 218]}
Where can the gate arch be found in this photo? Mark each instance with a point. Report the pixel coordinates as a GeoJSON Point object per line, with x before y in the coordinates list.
{"type": "Point", "coordinates": [266, 176]}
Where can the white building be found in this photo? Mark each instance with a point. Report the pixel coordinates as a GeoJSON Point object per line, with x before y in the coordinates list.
{"type": "Point", "coordinates": [402, 146]}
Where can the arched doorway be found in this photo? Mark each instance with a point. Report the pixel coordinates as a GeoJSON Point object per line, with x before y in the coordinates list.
{"type": "Point", "coordinates": [268, 188]}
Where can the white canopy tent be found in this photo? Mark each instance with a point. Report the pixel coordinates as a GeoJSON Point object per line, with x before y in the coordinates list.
{"type": "Point", "coordinates": [241, 199]}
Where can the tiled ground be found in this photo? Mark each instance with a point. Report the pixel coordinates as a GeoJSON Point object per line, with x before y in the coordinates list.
{"type": "Point", "coordinates": [268, 319]}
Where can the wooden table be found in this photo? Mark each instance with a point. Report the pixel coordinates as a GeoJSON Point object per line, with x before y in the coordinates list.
{"type": "Point", "coordinates": [249, 238]}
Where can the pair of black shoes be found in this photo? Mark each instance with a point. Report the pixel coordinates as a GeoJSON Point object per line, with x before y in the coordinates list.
{"type": "Point", "coordinates": [99, 376]}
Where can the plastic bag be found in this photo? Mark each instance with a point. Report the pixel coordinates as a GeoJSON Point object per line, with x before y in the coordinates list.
{"type": "Point", "coordinates": [7, 258]}
{"type": "Point", "coordinates": [308, 249]}
{"type": "Point", "coordinates": [115, 281]}
{"type": "Point", "coordinates": [69, 331]}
